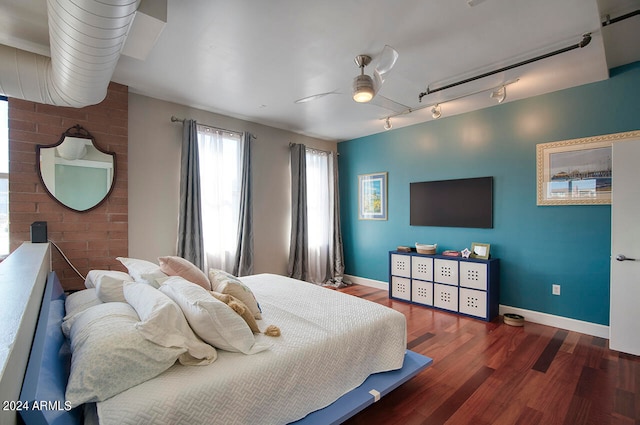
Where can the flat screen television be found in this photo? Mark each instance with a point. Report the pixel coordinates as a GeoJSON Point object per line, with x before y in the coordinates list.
{"type": "Point", "coordinates": [452, 203]}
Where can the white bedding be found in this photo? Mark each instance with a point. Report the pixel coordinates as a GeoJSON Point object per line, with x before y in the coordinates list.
{"type": "Point", "coordinates": [330, 343]}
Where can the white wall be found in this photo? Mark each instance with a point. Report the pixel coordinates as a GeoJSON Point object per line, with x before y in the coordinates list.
{"type": "Point", "coordinates": [154, 180]}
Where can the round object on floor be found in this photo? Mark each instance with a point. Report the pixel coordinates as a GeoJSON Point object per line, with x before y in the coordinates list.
{"type": "Point", "coordinates": [513, 319]}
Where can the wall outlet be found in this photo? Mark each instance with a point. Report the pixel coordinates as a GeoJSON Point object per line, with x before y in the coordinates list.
{"type": "Point", "coordinates": [555, 289]}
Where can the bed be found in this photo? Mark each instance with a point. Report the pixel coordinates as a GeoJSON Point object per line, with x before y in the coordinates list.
{"type": "Point", "coordinates": [327, 365]}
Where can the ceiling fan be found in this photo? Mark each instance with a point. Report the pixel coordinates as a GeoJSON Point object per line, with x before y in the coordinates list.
{"type": "Point", "coordinates": [364, 87]}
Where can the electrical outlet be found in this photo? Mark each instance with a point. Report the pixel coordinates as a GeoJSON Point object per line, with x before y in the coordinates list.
{"type": "Point", "coordinates": [555, 289]}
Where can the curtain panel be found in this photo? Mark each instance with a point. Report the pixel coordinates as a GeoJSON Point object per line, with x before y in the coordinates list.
{"type": "Point", "coordinates": [190, 245]}
{"type": "Point", "coordinates": [316, 252]}
{"type": "Point", "coordinates": [297, 267]}
{"type": "Point", "coordinates": [243, 262]}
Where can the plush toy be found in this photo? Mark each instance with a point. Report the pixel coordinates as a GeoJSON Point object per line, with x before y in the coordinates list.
{"type": "Point", "coordinates": [240, 308]}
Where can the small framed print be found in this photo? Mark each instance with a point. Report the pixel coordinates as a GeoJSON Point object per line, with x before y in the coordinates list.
{"type": "Point", "coordinates": [372, 196]}
{"type": "Point", "coordinates": [480, 250]}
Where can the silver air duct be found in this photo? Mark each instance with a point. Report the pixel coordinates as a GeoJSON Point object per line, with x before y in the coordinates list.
{"type": "Point", "coordinates": [86, 38]}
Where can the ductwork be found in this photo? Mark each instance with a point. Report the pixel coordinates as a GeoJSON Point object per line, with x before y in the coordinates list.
{"type": "Point", "coordinates": [86, 38]}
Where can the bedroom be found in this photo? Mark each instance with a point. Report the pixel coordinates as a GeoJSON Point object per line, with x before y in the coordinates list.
{"type": "Point", "coordinates": [561, 115]}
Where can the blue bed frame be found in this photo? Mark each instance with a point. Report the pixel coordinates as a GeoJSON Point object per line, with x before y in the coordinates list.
{"type": "Point", "coordinates": [42, 398]}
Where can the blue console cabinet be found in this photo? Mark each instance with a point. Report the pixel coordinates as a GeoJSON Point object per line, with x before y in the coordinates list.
{"type": "Point", "coordinates": [467, 286]}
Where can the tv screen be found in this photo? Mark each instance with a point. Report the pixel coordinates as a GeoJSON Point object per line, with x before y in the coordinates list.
{"type": "Point", "coordinates": [452, 203]}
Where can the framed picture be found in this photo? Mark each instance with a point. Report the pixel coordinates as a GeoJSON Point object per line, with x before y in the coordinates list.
{"type": "Point", "coordinates": [372, 196]}
{"type": "Point", "coordinates": [576, 172]}
{"type": "Point", "coordinates": [480, 250]}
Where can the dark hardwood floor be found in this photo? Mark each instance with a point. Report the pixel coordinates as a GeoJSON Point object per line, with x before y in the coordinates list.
{"type": "Point", "coordinates": [493, 374]}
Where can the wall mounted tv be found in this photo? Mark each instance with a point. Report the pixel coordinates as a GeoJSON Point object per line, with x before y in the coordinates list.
{"type": "Point", "coordinates": [452, 203]}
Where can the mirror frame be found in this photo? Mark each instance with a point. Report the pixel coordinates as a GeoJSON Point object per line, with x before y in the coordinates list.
{"type": "Point", "coordinates": [79, 132]}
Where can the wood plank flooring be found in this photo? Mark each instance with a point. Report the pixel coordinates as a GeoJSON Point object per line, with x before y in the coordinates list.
{"type": "Point", "coordinates": [495, 374]}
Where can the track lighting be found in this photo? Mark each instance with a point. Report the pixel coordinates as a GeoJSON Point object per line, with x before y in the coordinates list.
{"type": "Point", "coordinates": [436, 111]}
{"type": "Point", "coordinates": [497, 92]}
{"type": "Point", "coordinates": [586, 39]}
{"type": "Point", "coordinates": [500, 94]}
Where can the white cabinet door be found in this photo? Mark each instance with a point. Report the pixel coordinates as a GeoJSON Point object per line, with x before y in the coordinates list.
{"type": "Point", "coordinates": [624, 322]}
{"type": "Point", "coordinates": [401, 265]}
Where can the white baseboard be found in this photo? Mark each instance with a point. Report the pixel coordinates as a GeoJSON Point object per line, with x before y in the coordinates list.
{"type": "Point", "coordinates": [569, 324]}
{"type": "Point", "coordinates": [378, 284]}
{"type": "Point", "coordinates": [587, 328]}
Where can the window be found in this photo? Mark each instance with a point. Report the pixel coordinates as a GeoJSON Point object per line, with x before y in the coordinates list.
{"type": "Point", "coordinates": [4, 176]}
{"type": "Point", "coordinates": [220, 179]}
{"type": "Point", "coordinates": [320, 213]}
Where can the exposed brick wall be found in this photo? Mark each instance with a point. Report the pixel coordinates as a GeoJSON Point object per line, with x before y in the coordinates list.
{"type": "Point", "coordinates": [93, 239]}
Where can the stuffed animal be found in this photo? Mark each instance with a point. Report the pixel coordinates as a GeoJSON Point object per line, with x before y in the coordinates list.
{"type": "Point", "coordinates": [242, 310]}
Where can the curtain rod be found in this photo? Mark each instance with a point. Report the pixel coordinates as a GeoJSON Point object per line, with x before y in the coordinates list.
{"type": "Point", "coordinates": [314, 149]}
{"type": "Point", "coordinates": [176, 119]}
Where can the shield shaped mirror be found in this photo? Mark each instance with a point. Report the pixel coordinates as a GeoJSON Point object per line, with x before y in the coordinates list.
{"type": "Point", "coordinates": [75, 171]}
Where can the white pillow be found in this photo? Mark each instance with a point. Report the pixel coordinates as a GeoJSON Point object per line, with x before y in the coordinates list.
{"type": "Point", "coordinates": [109, 355]}
{"type": "Point", "coordinates": [94, 275]}
{"type": "Point", "coordinates": [75, 303]}
{"type": "Point", "coordinates": [108, 284]}
{"type": "Point", "coordinates": [162, 322]}
{"type": "Point", "coordinates": [79, 301]}
{"type": "Point", "coordinates": [212, 320]}
{"type": "Point", "coordinates": [142, 270]}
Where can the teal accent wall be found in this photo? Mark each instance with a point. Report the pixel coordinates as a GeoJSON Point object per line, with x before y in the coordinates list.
{"type": "Point", "coordinates": [537, 246]}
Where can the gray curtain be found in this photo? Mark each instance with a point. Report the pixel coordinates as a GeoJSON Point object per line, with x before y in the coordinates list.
{"type": "Point", "coordinates": [336, 253]}
{"type": "Point", "coordinates": [299, 246]}
{"type": "Point", "coordinates": [243, 263]}
{"type": "Point", "coordinates": [190, 245]}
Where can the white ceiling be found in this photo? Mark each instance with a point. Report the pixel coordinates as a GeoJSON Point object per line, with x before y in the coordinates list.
{"type": "Point", "coordinates": [253, 59]}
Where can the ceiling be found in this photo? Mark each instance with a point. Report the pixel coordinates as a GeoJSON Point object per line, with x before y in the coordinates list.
{"type": "Point", "coordinates": [253, 59]}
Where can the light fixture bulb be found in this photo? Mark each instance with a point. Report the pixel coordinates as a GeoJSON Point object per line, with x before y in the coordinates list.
{"type": "Point", "coordinates": [436, 111]}
{"type": "Point", "coordinates": [387, 124]}
{"type": "Point", "coordinates": [362, 88]}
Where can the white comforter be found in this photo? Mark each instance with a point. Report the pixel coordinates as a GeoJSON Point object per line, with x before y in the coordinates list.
{"type": "Point", "coordinates": [330, 343]}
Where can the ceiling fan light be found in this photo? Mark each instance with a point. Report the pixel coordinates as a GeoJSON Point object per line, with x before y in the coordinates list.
{"type": "Point", "coordinates": [363, 88]}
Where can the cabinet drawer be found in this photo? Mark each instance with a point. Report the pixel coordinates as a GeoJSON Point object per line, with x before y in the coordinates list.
{"type": "Point", "coordinates": [401, 288]}
{"type": "Point", "coordinates": [473, 275]}
{"type": "Point", "coordinates": [473, 303]}
{"type": "Point", "coordinates": [401, 265]}
{"type": "Point", "coordinates": [422, 268]}
{"type": "Point", "coordinates": [445, 296]}
{"type": "Point", "coordinates": [445, 271]}
{"type": "Point", "coordinates": [422, 292]}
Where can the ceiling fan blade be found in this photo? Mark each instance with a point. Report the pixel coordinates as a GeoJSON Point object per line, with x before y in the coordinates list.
{"type": "Point", "coordinates": [392, 105]}
{"type": "Point", "coordinates": [315, 97]}
{"type": "Point", "coordinates": [386, 60]}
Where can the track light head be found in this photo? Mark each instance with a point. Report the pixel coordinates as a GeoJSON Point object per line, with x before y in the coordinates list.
{"type": "Point", "coordinates": [387, 124]}
{"type": "Point", "coordinates": [500, 94]}
{"type": "Point", "coordinates": [436, 111]}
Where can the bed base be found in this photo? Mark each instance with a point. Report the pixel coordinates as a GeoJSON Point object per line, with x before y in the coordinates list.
{"type": "Point", "coordinates": [42, 398]}
{"type": "Point", "coordinates": [371, 390]}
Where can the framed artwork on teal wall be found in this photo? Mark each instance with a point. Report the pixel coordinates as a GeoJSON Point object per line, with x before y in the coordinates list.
{"type": "Point", "coordinates": [574, 172]}
{"type": "Point", "coordinates": [372, 196]}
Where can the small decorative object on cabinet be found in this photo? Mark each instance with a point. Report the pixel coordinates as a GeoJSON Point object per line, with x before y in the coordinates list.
{"type": "Point", "coordinates": [467, 286]}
